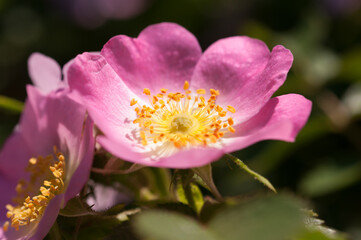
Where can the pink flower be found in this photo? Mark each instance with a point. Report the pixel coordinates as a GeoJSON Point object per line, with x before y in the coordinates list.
{"type": "Point", "coordinates": [43, 164]}
{"type": "Point", "coordinates": [104, 197]}
{"type": "Point", "coordinates": [94, 13]}
{"type": "Point", "coordinates": [160, 102]}
{"type": "Point", "coordinates": [46, 74]}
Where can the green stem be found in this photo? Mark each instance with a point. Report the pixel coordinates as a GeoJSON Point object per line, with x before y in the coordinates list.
{"type": "Point", "coordinates": [11, 104]}
{"type": "Point", "coordinates": [162, 181]}
{"type": "Point", "coordinates": [257, 176]}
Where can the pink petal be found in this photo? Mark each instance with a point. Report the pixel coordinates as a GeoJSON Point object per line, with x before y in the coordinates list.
{"type": "Point", "coordinates": [44, 72]}
{"type": "Point", "coordinates": [38, 131]}
{"type": "Point", "coordinates": [65, 72]}
{"type": "Point", "coordinates": [14, 157]}
{"type": "Point", "coordinates": [43, 116]}
{"type": "Point", "coordinates": [245, 72]}
{"type": "Point", "coordinates": [280, 119]}
{"type": "Point", "coordinates": [48, 120]}
{"type": "Point", "coordinates": [56, 120]}
{"type": "Point", "coordinates": [27, 232]}
{"type": "Point", "coordinates": [82, 162]}
{"type": "Point", "coordinates": [163, 56]}
{"type": "Point", "coordinates": [94, 83]}
{"type": "Point", "coordinates": [49, 218]}
{"type": "Point", "coordinates": [194, 157]}
{"type": "Point", "coordinates": [66, 68]}
{"type": "Point", "coordinates": [8, 189]}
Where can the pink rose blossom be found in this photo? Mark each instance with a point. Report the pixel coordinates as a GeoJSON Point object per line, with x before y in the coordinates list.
{"type": "Point", "coordinates": [160, 102]}
{"type": "Point", "coordinates": [44, 163]}
{"type": "Point", "coordinates": [46, 74]}
{"type": "Point", "coordinates": [104, 197]}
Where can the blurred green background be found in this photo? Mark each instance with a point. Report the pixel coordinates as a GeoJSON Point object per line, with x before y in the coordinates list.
{"type": "Point", "coordinates": [323, 166]}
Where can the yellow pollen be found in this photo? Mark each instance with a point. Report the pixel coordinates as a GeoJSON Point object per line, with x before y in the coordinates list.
{"type": "Point", "coordinates": [29, 204]}
{"type": "Point", "coordinates": [183, 119]}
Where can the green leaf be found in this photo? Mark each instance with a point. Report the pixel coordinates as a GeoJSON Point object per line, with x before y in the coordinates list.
{"type": "Point", "coordinates": [271, 218]}
{"type": "Point", "coordinates": [318, 235]}
{"type": "Point", "coordinates": [187, 191]}
{"type": "Point", "coordinates": [205, 173]}
{"type": "Point", "coordinates": [210, 209]}
{"type": "Point", "coordinates": [330, 178]}
{"type": "Point", "coordinates": [181, 196]}
{"type": "Point", "coordinates": [197, 197]}
{"type": "Point", "coordinates": [163, 225]}
{"type": "Point", "coordinates": [316, 228]}
{"type": "Point", "coordinates": [10, 104]}
{"type": "Point", "coordinates": [76, 208]}
{"type": "Point", "coordinates": [257, 176]}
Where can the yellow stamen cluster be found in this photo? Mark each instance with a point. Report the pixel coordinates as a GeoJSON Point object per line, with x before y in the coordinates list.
{"type": "Point", "coordinates": [31, 203]}
{"type": "Point", "coordinates": [182, 118]}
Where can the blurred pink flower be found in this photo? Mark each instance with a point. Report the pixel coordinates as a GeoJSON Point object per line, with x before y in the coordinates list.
{"type": "Point", "coordinates": [104, 197]}
{"type": "Point", "coordinates": [43, 164]}
{"type": "Point", "coordinates": [46, 74]}
{"type": "Point", "coordinates": [341, 7]}
{"type": "Point", "coordinates": [160, 102]}
{"type": "Point", "coordinates": [94, 13]}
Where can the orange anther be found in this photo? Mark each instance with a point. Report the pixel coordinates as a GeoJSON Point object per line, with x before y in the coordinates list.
{"type": "Point", "coordinates": [133, 102]}
{"type": "Point", "coordinates": [33, 161]}
{"type": "Point", "coordinates": [231, 129]}
{"type": "Point", "coordinates": [214, 92]}
{"type": "Point", "coordinates": [201, 91]}
{"type": "Point", "coordinates": [186, 85]}
{"type": "Point", "coordinates": [6, 226]}
{"type": "Point", "coordinates": [222, 114]}
{"type": "Point", "coordinates": [155, 100]}
{"type": "Point", "coordinates": [231, 109]}
{"type": "Point", "coordinates": [146, 91]}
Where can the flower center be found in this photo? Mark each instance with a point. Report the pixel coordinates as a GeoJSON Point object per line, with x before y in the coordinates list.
{"type": "Point", "coordinates": [182, 118]}
{"type": "Point", "coordinates": [33, 196]}
{"type": "Point", "coordinates": [181, 123]}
